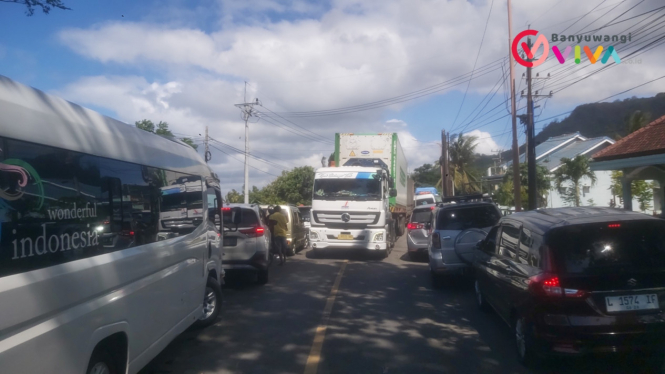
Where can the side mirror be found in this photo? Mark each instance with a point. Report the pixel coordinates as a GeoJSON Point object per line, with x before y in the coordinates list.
{"type": "Point", "coordinates": [393, 192]}
{"type": "Point", "coordinates": [236, 215]}
{"type": "Point", "coordinates": [212, 213]}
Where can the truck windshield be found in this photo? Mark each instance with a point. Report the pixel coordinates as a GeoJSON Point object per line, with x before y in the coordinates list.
{"type": "Point", "coordinates": [350, 189]}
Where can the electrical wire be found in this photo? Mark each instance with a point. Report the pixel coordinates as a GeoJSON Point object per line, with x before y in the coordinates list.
{"type": "Point", "coordinates": [480, 47]}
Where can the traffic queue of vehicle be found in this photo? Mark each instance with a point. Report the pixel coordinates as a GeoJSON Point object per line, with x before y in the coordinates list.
{"type": "Point", "coordinates": [567, 281]}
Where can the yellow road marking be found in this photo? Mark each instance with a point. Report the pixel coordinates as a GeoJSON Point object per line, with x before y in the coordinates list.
{"type": "Point", "coordinates": [315, 353]}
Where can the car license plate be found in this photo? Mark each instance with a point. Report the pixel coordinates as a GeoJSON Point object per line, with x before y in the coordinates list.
{"type": "Point", "coordinates": [344, 237]}
{"type": "Point", "coordinates": [632, 302]}
{"type": "Point", "coordinates": [230, 241]}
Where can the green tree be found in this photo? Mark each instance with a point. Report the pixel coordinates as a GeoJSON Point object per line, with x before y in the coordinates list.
{"type": "Point", "coordinates": [427, 175]}
{"type": "Point", "coordinates": [145, 125]}
{"type": "Point", "coordinates": [643, 192]}
{"type": "Point", "coordinates": [331, 159]}
{"type": "Point", "coordinates": [190, 142]}
{"type": "Point", "coordinates": [45, 5]}
{"type": "Point", "coordinates": [638, 120]}
{"type": "Point", "coordinates": [234, 196]}
{"type": "Point", "coordinates": [462, 155]}
{"type": "Point", "coordinates": [505, 195]}
{"type": "Point", "coordinates": [573, 171]}
{"type": "Point", "coordinates": [294, 186]}
{"type": "Point", "coordinates": [162, 128]}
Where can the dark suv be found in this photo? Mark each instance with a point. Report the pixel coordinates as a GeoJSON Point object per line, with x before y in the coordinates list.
{"type": "Point", "coordinates": [576, 280]}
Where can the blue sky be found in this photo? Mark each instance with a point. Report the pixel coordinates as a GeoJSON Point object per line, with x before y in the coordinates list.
{"type": "Point", "coordinates": [185, 62]}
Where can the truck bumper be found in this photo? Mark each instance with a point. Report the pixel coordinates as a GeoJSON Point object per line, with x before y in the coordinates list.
{"type": "Point", "coordinates": [370, 239]}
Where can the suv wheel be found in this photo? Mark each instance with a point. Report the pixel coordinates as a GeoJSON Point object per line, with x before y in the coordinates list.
{"type": "Point", "coordinates": [524, 342]}
{"type": "Point", "coordinates": [480, 299]}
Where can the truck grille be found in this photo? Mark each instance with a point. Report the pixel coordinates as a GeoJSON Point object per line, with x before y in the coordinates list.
{"type": "Point", "coordinates": [365, 218]}
{"type": "Point", "coordinates": [359, 237]}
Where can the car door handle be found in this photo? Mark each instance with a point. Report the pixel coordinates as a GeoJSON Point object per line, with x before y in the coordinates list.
{"type": "Point", "coordinates": [445, 238]}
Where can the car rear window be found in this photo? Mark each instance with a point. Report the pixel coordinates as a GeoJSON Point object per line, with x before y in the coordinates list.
{"type": "Point", "coordinates": [421, 215]}
{"type": "Point", "coordinates": [463, 218]}
{"type": "Point", "coordinates": [609, 247]}
{"type": "Point", "coordinates": [248, 218]}
{"type": "Point", "coordinates": [425, 201]}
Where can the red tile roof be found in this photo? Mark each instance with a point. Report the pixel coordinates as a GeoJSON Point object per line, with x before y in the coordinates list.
{"type": "Point", "coordinates": [648, 140]}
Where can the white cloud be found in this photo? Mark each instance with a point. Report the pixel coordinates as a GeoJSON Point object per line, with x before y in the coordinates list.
{"type": "Point", "coordinates": [316, 58]}
{"type": "Point", "coordinates": [485, 144]}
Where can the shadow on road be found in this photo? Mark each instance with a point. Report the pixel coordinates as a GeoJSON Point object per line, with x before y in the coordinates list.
{"type": "Point", "coordinates": [386, 319]}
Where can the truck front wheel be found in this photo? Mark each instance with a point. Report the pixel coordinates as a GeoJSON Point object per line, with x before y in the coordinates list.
{"type": "Point", "coordinates": [399, 229]}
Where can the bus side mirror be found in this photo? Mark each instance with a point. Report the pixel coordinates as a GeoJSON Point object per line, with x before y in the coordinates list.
{"type": "Point", "coordinates": [393, 192]}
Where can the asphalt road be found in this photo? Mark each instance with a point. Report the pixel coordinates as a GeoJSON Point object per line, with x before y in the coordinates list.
{"type": "Point", "coordinates": [385, 318]}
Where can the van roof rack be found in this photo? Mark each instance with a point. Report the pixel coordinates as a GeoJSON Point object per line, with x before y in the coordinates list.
{"type": "Point", "coordinates": [471, 198]}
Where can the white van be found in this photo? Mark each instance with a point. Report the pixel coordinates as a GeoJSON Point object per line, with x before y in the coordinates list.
{"type": "Point", "coordinates": [91, 278]}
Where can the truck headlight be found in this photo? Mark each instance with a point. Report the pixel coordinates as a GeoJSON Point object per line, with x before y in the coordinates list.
{"type": "Point", "coordinates": [313, 235]}
{"type": "Point", "coordinates": [378, 237]}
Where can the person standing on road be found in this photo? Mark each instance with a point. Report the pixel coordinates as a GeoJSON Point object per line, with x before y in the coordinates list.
{"type": "Point", "coordinates": [279, 223]}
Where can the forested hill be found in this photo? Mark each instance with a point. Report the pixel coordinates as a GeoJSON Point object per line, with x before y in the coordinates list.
{"type": "Point", "coordinates": [604, 119]}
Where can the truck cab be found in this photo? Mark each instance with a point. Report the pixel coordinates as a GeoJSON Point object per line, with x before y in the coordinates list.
{"type": "Point", "coordinates": [350, 209]}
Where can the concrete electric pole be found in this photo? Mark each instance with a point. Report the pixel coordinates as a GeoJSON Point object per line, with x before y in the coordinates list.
{"type": "Point", "coordinates": [530, 137]}
{"type": "Point", "coordinates": [247, 113]}
{"type": "Point", "coordinates": [517, 191]}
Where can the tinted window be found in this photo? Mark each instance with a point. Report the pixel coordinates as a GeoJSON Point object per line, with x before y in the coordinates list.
{"type": "Point", "coordinates": [421, 215]}
{"type": "Point", "coordinates": [526, 240]}
{"type": "Point", "coordinates": [599, 248]}
{"type": "Point", "coordinates": [425, 201]}
{"type": "Point", "coordinates": [58, 206]}
{"type": "Point", "coordinates": [248, 218]}
{"type": "Point", "coordinates": [364, 187]}
{"type": "Point", "coordinates": [465, 218]}
{"type": "Point", "coordinates": [509, 239]}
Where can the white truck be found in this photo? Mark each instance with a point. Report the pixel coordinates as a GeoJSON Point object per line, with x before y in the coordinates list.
{"type": "Point", "coordinates": [363, 201]}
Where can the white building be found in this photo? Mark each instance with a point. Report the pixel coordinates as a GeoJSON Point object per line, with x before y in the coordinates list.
{"type": "Point", "coordinates": [549, 154]}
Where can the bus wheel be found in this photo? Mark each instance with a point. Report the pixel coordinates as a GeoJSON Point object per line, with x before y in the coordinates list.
{"type": "Point", "coordinates": [212, 304]}
{"type": "Point", "coordinates": [101, 362]}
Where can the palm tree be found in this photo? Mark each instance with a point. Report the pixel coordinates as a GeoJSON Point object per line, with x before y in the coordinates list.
{"type": "Point", "coordinates": [462, 154]}
{"type": "Point", "coordinates": [574, 170]}
{"type": "Point", "coordinates": [638, 120]}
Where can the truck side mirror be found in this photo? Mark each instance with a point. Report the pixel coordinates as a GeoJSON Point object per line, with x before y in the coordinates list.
{"type": "Point", "coordinates": [393, 192]}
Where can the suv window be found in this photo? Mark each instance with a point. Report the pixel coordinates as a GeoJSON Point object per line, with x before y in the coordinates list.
{"type": "Point", "coordinates": [248, 219]}
{"type": "Point", "coordinates": [462, 218]}
{"type": "Point", "coordinates": [421, 215]}
{"type": "Point", "coordinates": [425, 201]}
{"type": "Point", "coordinates": [509, 240]}
{"type": "Point", "coordinates": [609, 247]}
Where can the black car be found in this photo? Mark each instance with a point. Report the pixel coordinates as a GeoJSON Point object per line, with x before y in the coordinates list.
{"type": "Point", "coordinates": [574, 281]}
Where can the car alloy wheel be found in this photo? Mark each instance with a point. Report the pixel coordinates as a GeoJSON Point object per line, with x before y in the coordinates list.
{"type": "Point", "coordinates": [524, 342]}
{"type": "Point", "coordinates": [100, 368]}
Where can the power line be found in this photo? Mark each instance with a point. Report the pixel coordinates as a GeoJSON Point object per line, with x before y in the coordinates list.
{"type": "Point", "coordinates": [480, 47]}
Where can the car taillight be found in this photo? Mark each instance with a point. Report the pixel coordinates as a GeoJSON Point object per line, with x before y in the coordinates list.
{"type": "Point", "coordinates": [436, 241]}
{"type": "Point", "coordinates": [254, 232]}
{"type": "Point", "coordinates": [549, 285]}
{"type": "Point", "coordinates": [414, 226]}
{"type": "Point", "coordinates": [227, 209]}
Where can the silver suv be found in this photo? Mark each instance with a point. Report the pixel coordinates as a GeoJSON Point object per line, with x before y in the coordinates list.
{"type": "Point", "coordinates": [246, 247]}
{"type": "Point", "coordinates": [455, 231]}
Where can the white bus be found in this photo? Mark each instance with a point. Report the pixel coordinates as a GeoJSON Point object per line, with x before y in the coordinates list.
{"type": "Point", "coordinates": [85, 284]}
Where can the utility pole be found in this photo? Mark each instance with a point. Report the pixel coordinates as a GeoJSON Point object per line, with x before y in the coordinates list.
{"type": "Point", "coordinates": [247, 112]}
{"type": "Point", "coordinates": [450, 185]}
{"type": "Point", "coordinates": [531, 135]}
{"type": "Point", "coordinates": [531, 143]}
{"type": "Point", "coordinates": [517, 191]}
{"type": "Point", "coordinates": [207, 155]}
{"type": "Point", "coordinates": [443, 163]}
